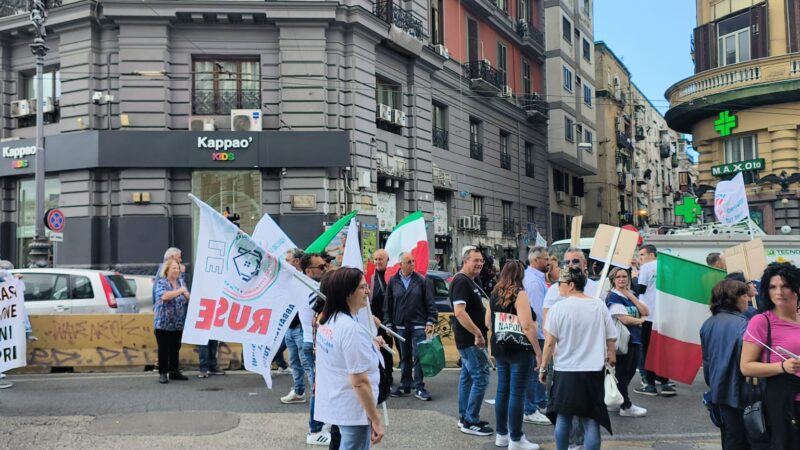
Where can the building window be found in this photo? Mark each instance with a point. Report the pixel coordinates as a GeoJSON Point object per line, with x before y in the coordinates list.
{"type": "Point", "coordinates": [560, 181]}
{"type": "Point", "coordinates": [528, 159]}
{"type": "Point", "coordinates": [577, 186]}
{"type": "Point", "coordinates": [734, 39]}
{"type": "Point", "coordinates": [502, 65]}
{"type": "Point", "coordinates": [740, 148]}
{"type": "Point", "coordinates": [569, 133]}
{"type": "Point", "coordinates": [388, 93]}
{"type": "Point", "coordinates": [440, 130]}
{"type": "Point", "coordinates": [502, 5]}
{"type": "Point", "coordinates": [587, 95]}
{"type": "Point", "coordinates": [566, 29]}
{"type": "Point", "coordinates": [588, 137]}
{"type": "Point", "coordinates": [567, 79]}
{"type": "Point", "coordinates": [558, 224]}
{"type": "Point", "coordinates": [587, 51]}
{"type": "Point", "coordinates": [505, 157]}
{"type": "Point", "coordinates": [26, 213]}
{"type": "Point", "coordinates": [475, 140]}
{"type": "Point", "coordinates": [508, 220]}
{"type": "Point", "coordinates": [524, 10]}
{"type": "Point", "coordinates": [51, 78]}
{"type": "Point", "coordinates": [477, 205]}
{"type": "Point", "coordinates": [221, 85]}
{"type": "Point", "coordinates": [437, 22]}
{"type": "Point", "coordinates": [531, 213]}
{"type": "Point", "coordinates": [587, 8]}
{"type": "Point", "coordinates": [526, 78]}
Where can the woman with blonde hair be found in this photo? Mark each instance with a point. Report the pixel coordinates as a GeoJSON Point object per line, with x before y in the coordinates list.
{"type": "Point", "coordinates": [514, 343]}
{"type": "Point", "coordinates": [169, 314]}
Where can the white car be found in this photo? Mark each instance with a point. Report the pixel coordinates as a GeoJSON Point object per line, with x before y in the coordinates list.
{"type": "Point", "coordinates": [76, 291]}
{"type": "Point", "coordinates": [142, 285]}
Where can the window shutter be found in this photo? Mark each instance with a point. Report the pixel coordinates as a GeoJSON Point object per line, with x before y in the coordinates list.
{"type": "Point", "coordinates": [705, 47]}
{"type": "Point", "coordinates": [758, 31]}
{"type": "Point", "coordinates": [793, 20]}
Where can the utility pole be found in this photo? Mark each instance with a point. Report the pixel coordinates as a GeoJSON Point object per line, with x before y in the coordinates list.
{"type": "Point", "coordinates": [40, 247]}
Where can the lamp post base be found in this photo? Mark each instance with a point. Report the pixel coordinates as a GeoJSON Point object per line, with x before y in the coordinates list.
{"type": "Point", "coordinates": [39, 252]}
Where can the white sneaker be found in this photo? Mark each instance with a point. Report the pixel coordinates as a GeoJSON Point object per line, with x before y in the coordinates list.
{"type": "Point", "coordinates": [320, 438]}
{"type": "Point", "coordinates": [575, 447]}
{"type": "Point", "coordinates": [6, 384]}
{"type": "Point", "coordinates": [501, 440]}
{"type": "Point", "coordinates": [522, 444]}
{"type": "Point", "coordinates": [537, 418]}
{"type": "Point", "coordinates": [633, 411]}
{"type": "Point", "coordinates": [292, 397]}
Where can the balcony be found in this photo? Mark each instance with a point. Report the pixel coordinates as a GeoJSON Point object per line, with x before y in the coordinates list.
{"type": "Point", "coordinates": [621, 180]}
{"type": "Point", "coordinates": [509, 227]}
{"type": "Point", "coordinates": [476, 151]}
{"type": "Point", "coordinates": [505, 161]}
{"type": "Point", "coordinates": [393, 14]}
{"type": "Point", "coordinates": [665, 149]}
{"type": "Point", "coordinates": [209, 102]}
{"type": "Point", "coordinates": [763, 81]}
{"type": "Point", "coordinates": [531, 35]}
{"type": "Point", "coordinates": [483, 78]}
{"type": "Point", "coordinates": [529, 169]}
{"type": "Point", "coordinates": [624, 140]}
{"type": "Point", "coordinates": [535, 107]}
{"type": "Point", "coordinates": [440, 136]}
{"type": "Point", "coordinates": [14, 7]}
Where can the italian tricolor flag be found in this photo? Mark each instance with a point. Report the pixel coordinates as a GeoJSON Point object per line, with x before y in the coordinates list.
{"type": "Point", "coordinates": [408, 236]}
{"type": "Point", "coordinates": [683, 291]}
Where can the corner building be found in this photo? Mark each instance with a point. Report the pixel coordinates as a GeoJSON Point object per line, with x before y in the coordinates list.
{"type": "Point", "coordinates": [740, 105]}
{"type": "Point", "coordinates": [303, 110]}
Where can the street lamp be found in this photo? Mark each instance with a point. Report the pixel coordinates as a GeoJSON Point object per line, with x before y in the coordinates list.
{"type": "Point", "coordinates": [40, 247]}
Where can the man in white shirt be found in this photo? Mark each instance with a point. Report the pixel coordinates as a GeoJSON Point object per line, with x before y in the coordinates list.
{"type": "Point", "coordinates": [536, 287]}
{"type": "Point", "coordinates": [646, 288]}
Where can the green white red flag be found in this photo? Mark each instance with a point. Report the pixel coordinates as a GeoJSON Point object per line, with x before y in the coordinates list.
{"type": "Point", "coordinates": [683, 291]}
{"type": "Point", "coordinates": [324, 240]}
{"type": "Point", "coordinates": [408, 236]}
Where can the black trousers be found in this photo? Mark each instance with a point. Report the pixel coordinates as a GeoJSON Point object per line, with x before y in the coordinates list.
{"type": "Point", "coordinates": [169, 345]}
{"type": "Point", "coordinates": [649, 377]}
{"type": "Point", "coordinates": [734, 436]}
{"type": "Point", "coordinates": [626, 368]}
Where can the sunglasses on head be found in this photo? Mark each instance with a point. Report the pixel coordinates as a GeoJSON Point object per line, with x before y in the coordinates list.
{"type": "Point", "coordinates": [571, 262]}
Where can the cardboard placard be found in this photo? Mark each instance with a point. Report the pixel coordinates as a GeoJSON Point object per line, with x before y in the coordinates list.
{"type": "Point", "coordinates": [749, 258]}
{"type": "Point", "coordinates": [626, 246]}
{"type": "Point", "coordinates": [575, 234]}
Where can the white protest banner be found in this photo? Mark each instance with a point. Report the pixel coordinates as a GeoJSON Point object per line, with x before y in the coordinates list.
{"type": "Point", "coordinates": [12, 326]}
{"type": "Point", "coordinates": [269, 236]}
{"type": "Point", "coordinates": [730, 201]}
{"type": "Point", "coordinates": [241, 293]}
{"type": "Point", "coordinates": [540, 240]}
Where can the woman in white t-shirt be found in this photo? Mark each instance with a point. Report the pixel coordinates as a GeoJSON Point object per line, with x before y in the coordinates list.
{"type": "Point", "coordinates": [347, 362]}
{"type": "Point", "coordinates": [580, 332]}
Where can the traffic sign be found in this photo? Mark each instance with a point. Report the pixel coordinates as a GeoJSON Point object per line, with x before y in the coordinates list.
{"type": "Point", "coordinates": [54, 236]}
{"type": "Point", "coordinates": [54, 220]}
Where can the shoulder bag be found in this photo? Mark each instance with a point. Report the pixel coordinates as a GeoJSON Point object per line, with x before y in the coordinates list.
{"type": "Point", "coordinates": [508, 333]}
{"type": "Point", "coordinates": [755, 424]}
{"type": "Point", "coordinates": [612, 396]}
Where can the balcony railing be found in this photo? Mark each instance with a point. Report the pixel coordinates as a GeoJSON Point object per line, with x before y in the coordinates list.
{"type": "Point", "coordinates": [14, 7]}
{"type": "Point", "coordinates": [529, 169]}
{"type": "Point", "coordinates": [392, 13]}
{"type": "Point", "coordinates": [476, 151]}
{"type": "Point", "coordinates": [505, 161]}
{"type": "Point", "coordinates": [624, 140]}
{"type": "Point", "coordinates": [207, 102]}
{"type": "Point", "coordinates": [440, 136]}
{"type": "Point", "coordinates": [534, 106]}
{"type": "Point", "coordinates": [526, 30]}
{"type": "Point", "coordinates": [482, 70]}
{"type": "Point", "coordinates": [509, 227]}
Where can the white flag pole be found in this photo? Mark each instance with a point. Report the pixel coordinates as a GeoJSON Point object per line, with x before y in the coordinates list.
{"type": "Point", "coordinates": [604, 273]}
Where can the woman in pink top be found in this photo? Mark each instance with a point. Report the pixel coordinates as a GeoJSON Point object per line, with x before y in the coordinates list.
{"type": "Point", "coordinates": [778, 325]}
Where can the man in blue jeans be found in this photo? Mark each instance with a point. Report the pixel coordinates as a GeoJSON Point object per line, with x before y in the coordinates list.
{"type": "Point", "coordinates": [536, 288]}
{"type": "Point", "coordinates": [411, 311]}
{"type": "Point", "coordinates": [470, 330]}
{"type": "Point", "coordinates": [208, 359]}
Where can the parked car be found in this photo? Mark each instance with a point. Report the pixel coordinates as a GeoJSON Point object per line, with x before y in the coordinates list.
{"type": "Point", "coordinates": [142, 285]}
{"type": "Point", "coordinates": [76, 291]}
{"type": "Point", "coordinates": [441, 289]}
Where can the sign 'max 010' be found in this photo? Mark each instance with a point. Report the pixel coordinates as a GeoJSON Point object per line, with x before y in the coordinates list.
{"type": "Point", "coordinates": [741, 166]}
{"type": "Point", "coordinates": [223, 146]}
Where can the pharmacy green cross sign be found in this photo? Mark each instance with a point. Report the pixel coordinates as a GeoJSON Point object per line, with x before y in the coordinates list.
{"type": "Point", "coordinates": [725, 123]}
{"type": "Point", "coordinates": [689, 209]}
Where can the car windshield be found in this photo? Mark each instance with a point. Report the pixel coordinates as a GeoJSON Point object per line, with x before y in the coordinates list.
{"type": "Point", "coordinates": [120, 286]}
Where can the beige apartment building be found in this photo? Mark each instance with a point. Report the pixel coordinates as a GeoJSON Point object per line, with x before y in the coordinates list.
{"type": "Point", "coordinates": [638, 156]}
{"type": "Point", "coordinates": [741, 104]}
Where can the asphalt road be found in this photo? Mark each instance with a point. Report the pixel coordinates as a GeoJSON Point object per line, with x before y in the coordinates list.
{"type": "Point", "coordinates": [131, 410]}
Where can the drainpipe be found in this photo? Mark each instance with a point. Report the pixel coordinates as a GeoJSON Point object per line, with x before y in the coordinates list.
{"type": "Point", "coordinates": [108, 83]}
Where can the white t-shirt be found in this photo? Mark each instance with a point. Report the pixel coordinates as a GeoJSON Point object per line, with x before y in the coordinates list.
{"type": "Point", "coordinates": [344, 348]}
{"type": "Point", "coordinates": [307, 317]}
{"type": "Point", "coordinates": [552, 297]}
{"type": "Point", "coordinates": [581, 327]}
{"type": "Point", "coordinates": [647, 277]}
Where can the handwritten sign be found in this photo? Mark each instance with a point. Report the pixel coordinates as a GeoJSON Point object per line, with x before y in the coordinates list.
{"type": "Point", "coordinates": [12, 325]}
{"type": "Point", "coordinates": [623, 253]}
{"type": "Point", "coordinates": [749, 258]}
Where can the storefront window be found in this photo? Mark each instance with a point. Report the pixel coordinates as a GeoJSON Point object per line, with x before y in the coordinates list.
{"type": "Point", "coordinates": [239, 191]}
{"type": "Point", "coordinates": [26, 213]}
{"type": "Point", "coordinates": [740, 148]}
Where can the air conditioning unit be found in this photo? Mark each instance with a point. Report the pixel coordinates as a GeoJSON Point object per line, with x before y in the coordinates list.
{"type": "Point", "coordinates": [47, 107]}
{"type": "Point", "coordinates": [384, 113]}
{"type": "Point", "coordinates": [476, 221]}
{"type": "Point", "coordinates": [561, 196]}
{"type": "Point", "coordinates": [575, 200]}
{"type": "Point", "coordinates": [202, 124]}
{"type": "Point", "coordinates": [506, 92]}
{"type": "Point", "coordinates": [21, 108]}
{"type": "Point", "coordinates": [246, 120]}
{"type": "Point", "coordinates": [398, 117]}
{"type": "Point", "coordinates": [442, 51]}
{"type": "Point", "coordinates": [401, 166]}
{"type": "Point", "coordinates": [465, 223]}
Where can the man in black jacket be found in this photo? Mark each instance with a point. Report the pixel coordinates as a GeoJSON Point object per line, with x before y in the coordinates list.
{"type": "Point", "coordinates": [411, 311]}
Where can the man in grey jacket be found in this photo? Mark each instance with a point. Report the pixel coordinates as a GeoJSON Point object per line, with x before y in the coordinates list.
{"type": "Point", "coordinates": [411, 311]}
